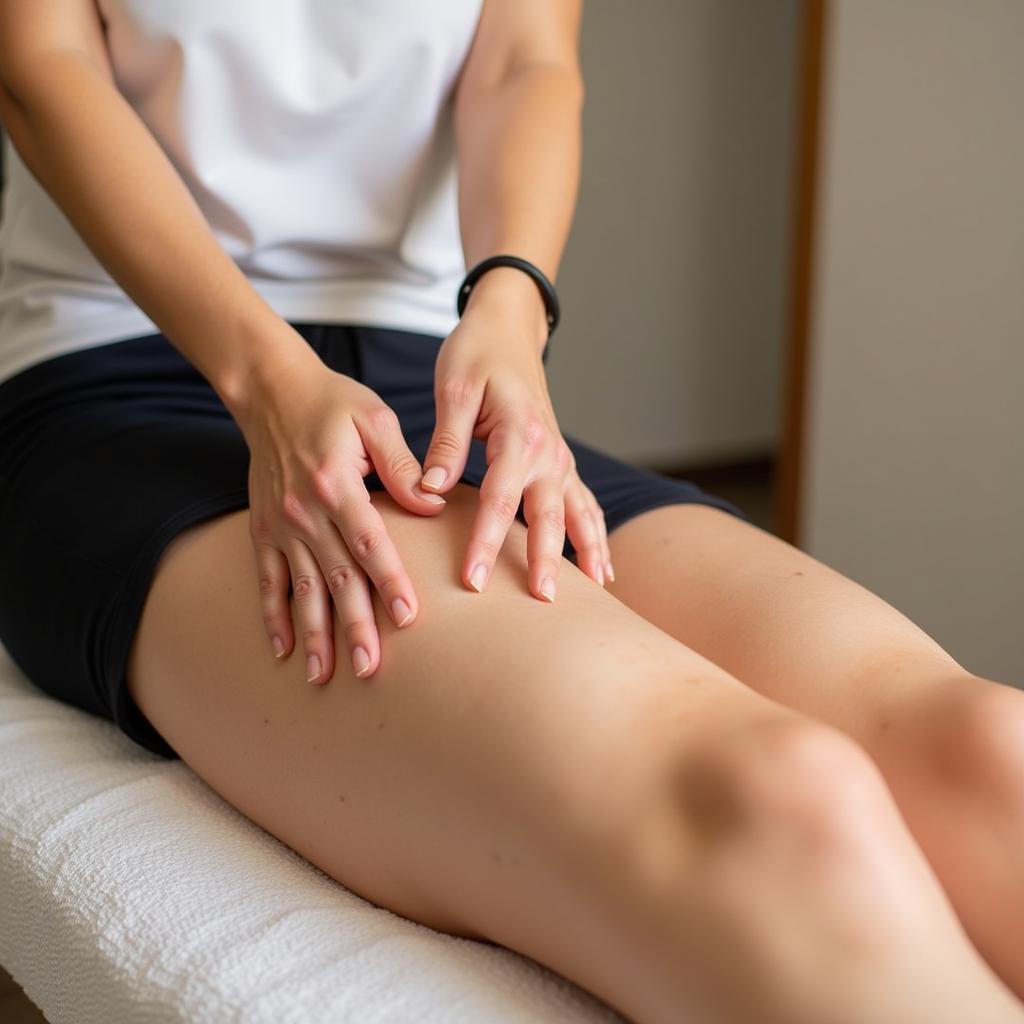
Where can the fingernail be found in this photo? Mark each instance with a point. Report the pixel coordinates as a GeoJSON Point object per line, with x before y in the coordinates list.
{"type": "Point", "coordinates": [313, 667]}
{"type": "Point", "coordinates": [434, 477]}
{"type": "Point", "coordinates": [600, 574]}
{"type": "Point", "coordinates": [610, 571]}
{"type": "Point", "coordinates": [434, 499]}
{"type": "Point", "coordinates": [360, 660]}
{"type": "Point", "coordinates": [478, 577]}
{"type": "Point", "coordinates": [278, 646]}
{"type": "Point", "coordinates": [401, 612]}
{"type": "Point", "coordinates": [547, 588]}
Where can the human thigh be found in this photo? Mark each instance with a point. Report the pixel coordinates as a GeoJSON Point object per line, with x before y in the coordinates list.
{"type": "Point", "coordinates": [501, 739]}
{"type": "Point", "coordinates": [784, 623]}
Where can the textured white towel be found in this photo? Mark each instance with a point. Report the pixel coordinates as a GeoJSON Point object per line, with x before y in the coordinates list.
{"type": "Point", "coordinates": [132, 892]}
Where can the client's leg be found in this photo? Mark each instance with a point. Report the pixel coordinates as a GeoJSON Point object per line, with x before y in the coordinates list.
{"type": "Point", "coordinates": [568, 781]}
{"type": "Point", "coordinates": [950, 744]}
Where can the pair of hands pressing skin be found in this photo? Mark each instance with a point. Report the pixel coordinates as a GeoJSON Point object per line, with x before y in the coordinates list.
{"type": "Point", "coordinates": [318, 433]}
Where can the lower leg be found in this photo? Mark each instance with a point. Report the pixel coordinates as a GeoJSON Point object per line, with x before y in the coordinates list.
{"type": "Point", "coordinates": [953, 755]}
{"type": "Point", "coordinates": [799, 895]}
{"type": "Point", "coordinates": [950, 745]}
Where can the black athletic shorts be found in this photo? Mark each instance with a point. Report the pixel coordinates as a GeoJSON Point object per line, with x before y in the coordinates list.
{"type": "Point", "coordinates": [107, 453]}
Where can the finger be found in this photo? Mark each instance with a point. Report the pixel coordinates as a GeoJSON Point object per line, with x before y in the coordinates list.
{"type": "Point", "coordinates": [312, 611]}
{"type": "Point", "coordinates": [350, 591]}
{"type": "Point", "coordinates": [366, 537]}
{"type": "Point", "coordinates": [500, 493]}
{"type": "Point", "coordinates": [544, 511]}
{"type": "Point", "coordinates": [595, 515]}
{"type": "Point", "coordinates": [602, 525]}
{"type": "Point", "coordinates": [458, 408]}
{"type": "Point", "coordinates": [272, 573]}
{"type": "Point", "coordinates": [394, 462]}
{"type": "Point", "coordinates": [585, 531]}
{"type": "Point", "coordinates": [585, 534]}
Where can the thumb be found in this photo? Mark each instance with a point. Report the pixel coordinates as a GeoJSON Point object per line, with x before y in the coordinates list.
{"type": "Point", "coordinates": [453, 433]}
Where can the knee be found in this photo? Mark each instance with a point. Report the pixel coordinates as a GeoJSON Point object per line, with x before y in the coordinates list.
{"type": "Point", "coordinates": [777, 801]}
{"type": "Point", "coordinates": [783, 779]}
{"type": "Point", "coordinates": [973, 737]}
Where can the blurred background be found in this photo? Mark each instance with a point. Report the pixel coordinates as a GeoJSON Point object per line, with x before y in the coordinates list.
{"type": "Point", "coordinates": [796, 276]}
{"type": "Point", "coordinates": [674, 278]}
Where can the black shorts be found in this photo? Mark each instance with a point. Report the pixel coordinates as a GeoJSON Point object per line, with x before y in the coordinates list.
{"type": "Point", "coordinates": [107, 453]}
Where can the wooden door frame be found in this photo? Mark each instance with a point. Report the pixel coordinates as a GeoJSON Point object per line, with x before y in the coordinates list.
{"type": "Point", "coordinates": [814, 16]}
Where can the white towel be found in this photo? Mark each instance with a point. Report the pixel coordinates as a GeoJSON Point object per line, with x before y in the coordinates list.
{"type": "Point", "coordinates": [132, 892]}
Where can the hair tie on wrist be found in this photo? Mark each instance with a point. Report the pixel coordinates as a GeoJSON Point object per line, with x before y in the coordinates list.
{"type": "Point", "coordinates": [547, 289]}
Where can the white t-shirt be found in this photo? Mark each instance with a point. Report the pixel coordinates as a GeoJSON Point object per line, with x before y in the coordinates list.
{"type": "Point", "coordinates": [316, 137]}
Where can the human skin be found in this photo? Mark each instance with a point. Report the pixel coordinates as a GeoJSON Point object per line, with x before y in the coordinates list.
{"type": "Point", "coordinates": [950, 743]}
{"type": "Point", "coordinates": [569, 781]}
{"type": "Point", "coordinates": [661, 797]}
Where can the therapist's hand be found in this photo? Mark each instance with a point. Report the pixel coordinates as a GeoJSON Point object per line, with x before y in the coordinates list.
{"type": "Point", "coordinates": [490, 384]}
{"type": "Point", "coordinates": [313, 436]}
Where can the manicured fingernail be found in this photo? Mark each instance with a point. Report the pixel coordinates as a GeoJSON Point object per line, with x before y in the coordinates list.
{"type": "Point", "coordinates": [600, 574]}
{"type": "Point", "coordinates": [360, 660]}
{"type": "Point", "coordinates": [278, 646]}
{"type": "Point", "coordinates": [434, 477]}
{"type": "Point", "coordinates": [547, 588]}
{"type": "Point", "coordinates": [313, 667]}
{"type": "Point", "coordinates": [478, 577]}
{"type": "Point", "coordinates": [401, 612]}
{"type": "Point", "coordinates": [610, 571]}
{"type": "Point", "coordinates": [434, 499]}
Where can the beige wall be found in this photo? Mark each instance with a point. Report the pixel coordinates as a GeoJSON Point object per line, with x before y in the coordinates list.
{"type": "Point", "coordinates": [673, 278]}
{"type": "Point", "coordinates": [915, 465]}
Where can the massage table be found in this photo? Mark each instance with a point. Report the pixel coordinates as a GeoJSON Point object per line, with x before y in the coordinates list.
{"type": "Point", "coordinates": [130, 891]}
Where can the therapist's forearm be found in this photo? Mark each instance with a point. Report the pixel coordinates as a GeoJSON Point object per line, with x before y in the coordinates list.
{"type": "Point", "coordinates": [519, 147]}
{"type": "Point", "coordinates": [99, 162]}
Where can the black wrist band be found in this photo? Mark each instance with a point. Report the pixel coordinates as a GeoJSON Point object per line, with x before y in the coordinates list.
{"type": "Point", "coordinates": [547, 289]}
